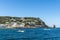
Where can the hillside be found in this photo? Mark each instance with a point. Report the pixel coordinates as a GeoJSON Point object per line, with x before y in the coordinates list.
{"type": "Point", "coordinates": [26, 21]}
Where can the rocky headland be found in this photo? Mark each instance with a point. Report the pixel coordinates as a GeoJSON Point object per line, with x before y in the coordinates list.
{"type": "Point", "coordinates": [21, 22]}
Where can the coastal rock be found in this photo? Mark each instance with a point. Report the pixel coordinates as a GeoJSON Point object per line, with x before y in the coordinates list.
{"type": "Point", "coordinates": [24, 22]}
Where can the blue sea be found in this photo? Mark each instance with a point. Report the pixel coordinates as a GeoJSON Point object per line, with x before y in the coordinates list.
{"type": "Point", "coordinates": [30, 34]}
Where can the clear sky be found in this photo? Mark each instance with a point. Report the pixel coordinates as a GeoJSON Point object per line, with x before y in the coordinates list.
{"type": "Point", "coordinates": [47, 10]}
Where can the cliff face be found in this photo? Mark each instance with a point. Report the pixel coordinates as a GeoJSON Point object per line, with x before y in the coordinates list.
{"type": "Point", "coordinates": [28, 21]}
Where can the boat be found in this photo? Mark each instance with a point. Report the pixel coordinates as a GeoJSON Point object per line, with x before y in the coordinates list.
{"type": "Point", "coordinates": [20, 30]}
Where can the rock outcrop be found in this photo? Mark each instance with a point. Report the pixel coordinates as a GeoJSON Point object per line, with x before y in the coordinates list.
{"type": "Point", "coordinates": [27, 22]}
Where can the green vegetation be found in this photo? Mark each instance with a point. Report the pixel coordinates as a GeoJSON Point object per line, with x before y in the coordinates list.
{"type": "Point", "coordinates": [26, 20]}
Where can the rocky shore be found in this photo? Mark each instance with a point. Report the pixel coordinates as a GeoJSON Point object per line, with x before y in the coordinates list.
{"type": "Point", "coordinates": [21, 22]}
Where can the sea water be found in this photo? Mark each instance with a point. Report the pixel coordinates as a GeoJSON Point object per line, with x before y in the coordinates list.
{"type": "Point", "coordinates": [30, 34]}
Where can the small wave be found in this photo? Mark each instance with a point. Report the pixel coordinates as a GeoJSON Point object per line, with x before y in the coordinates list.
{"type": "Point", "coordinates": [47, 29]}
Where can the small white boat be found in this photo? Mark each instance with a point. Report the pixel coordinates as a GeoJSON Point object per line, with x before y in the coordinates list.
{"type": "Point", "coordinates": [20, 30]}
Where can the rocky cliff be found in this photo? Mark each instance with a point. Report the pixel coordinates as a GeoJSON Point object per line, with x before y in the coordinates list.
{"type": "Point", "coordinates": [28, 21]}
